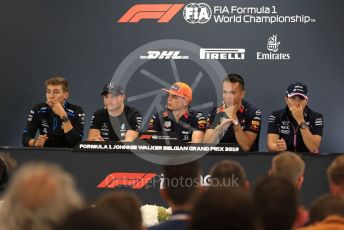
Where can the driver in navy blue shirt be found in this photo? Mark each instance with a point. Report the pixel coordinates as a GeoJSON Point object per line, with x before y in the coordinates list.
{"type": "Point", "coordinates": [235, 120]}
{"type": "Point", "coordinates": [60, 123]}
{"type": "Point", "coordinates": [296, 127]}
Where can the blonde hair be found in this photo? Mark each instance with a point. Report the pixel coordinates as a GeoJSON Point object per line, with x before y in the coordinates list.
{"type": "Point", "coordinates": [288, 165]}
{"type": "Point", "coordinates": [38, 197]}
{"type": "Point", "coordinates": [335, 172]}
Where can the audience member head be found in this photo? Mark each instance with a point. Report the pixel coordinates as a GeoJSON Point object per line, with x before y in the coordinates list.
{"type": "Point", "coordinates": [38, 196]}
{"type": "Point", "coordinates": [227, 173]}
{"type": "Point", "coordinates": [124, 202]}
{"type": "Point", "coordinates": [94, 219]}
{"type": "Point", "coordinates": [277, 203]}
{"type": "Point", "coordinates": [335, 174]}
{"type": "Point", "coordinates": [290, 166]}
{"type": "Point", "coordinates": [324, 206]}
{"type": "Point", "coordinates": [222, 208]}
{"type": "Point", "coordinates": [181, 183]}
{"type": "Point", "coordinates": [7, 165]}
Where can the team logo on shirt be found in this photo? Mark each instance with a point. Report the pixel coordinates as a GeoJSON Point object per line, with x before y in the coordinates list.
{"type": "Point", "coordinates": [105, 127]}
{"type": "Point", "coordinates": [45, 123]}
{"type": "Point", "coordinates": [285, 131]}
{"type": "Point", "coordinates": [285, 127]}
{"type": "Point", "coordinates": [186, 134]}
{"type": "Point", "coordinates": [123, 130]}
{"type": "Point", "coordinates": [167, 124]}
{"type": "Point", "coordinates": [285, 122]}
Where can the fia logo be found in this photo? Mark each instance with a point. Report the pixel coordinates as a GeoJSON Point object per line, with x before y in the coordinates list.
{"type": "Point", "coordinates": [273, 43]}
{"type": "Point", "coordinates": [45, 123]}
{"type": "Point", "coordinates": [197, 13]}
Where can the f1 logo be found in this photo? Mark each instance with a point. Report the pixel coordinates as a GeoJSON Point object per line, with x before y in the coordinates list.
{"type": "Point", "coordinates": [163, 12]}
{"type": "Point", "coordinates": [133, 180]}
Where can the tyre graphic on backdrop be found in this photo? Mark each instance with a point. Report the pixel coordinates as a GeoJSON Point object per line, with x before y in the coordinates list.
{"type": "Point", "coordinates": [158, 64]}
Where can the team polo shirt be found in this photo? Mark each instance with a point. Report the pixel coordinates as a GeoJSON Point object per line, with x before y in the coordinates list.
{"type": "Point", "coordinates": [114, 128]}
{"type": "Point", "coordinates": [281, 122]}
{"type": "Point", "coordinates": [190, 121]}
{"type": "Point", "coordinates": [249, 119]}
{"type": "Point", "coordinates": [42, 118]}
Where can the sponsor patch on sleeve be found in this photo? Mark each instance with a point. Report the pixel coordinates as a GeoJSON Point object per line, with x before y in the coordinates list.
{"type": "Point", "coordinates": [272, 119]}
{"type": "Point", "coordinates": [319, 122]}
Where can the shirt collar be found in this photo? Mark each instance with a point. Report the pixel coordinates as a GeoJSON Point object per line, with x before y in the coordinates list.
{"type": "Point", "coordinates": [168, 113]}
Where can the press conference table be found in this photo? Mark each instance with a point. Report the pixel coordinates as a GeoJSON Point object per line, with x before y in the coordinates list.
{"type": "Point", "coordinates": [98, 171]}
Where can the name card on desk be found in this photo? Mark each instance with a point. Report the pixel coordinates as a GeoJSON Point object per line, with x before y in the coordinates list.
{"type": "Point", "coordinates": [156, 146]}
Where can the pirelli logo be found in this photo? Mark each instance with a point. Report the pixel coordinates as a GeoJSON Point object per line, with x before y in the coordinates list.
{"type": "Point", "coordinates": [163, 13]}
{"type": "Point", "coordinates": [120, 179]}
{"type": "Point", "coordinates": [222, 53]}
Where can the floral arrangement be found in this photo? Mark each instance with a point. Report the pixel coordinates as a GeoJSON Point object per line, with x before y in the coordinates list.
{"type": "Point", "coordinates": [153, 214]}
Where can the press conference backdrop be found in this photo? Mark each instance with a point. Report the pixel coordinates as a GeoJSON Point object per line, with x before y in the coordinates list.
{"type": "Point", "coordinates": [270, 43]}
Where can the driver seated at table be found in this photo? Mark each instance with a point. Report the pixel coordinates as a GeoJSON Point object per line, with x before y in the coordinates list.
{"type": "Point", "coordinates": [188, 125]}
{"type": "Point", "coordinates": [235, 120]}
{"type": "Point", "coordinates": [59, 123]}
{"type": "Point", "coordinates": [116, 121]}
